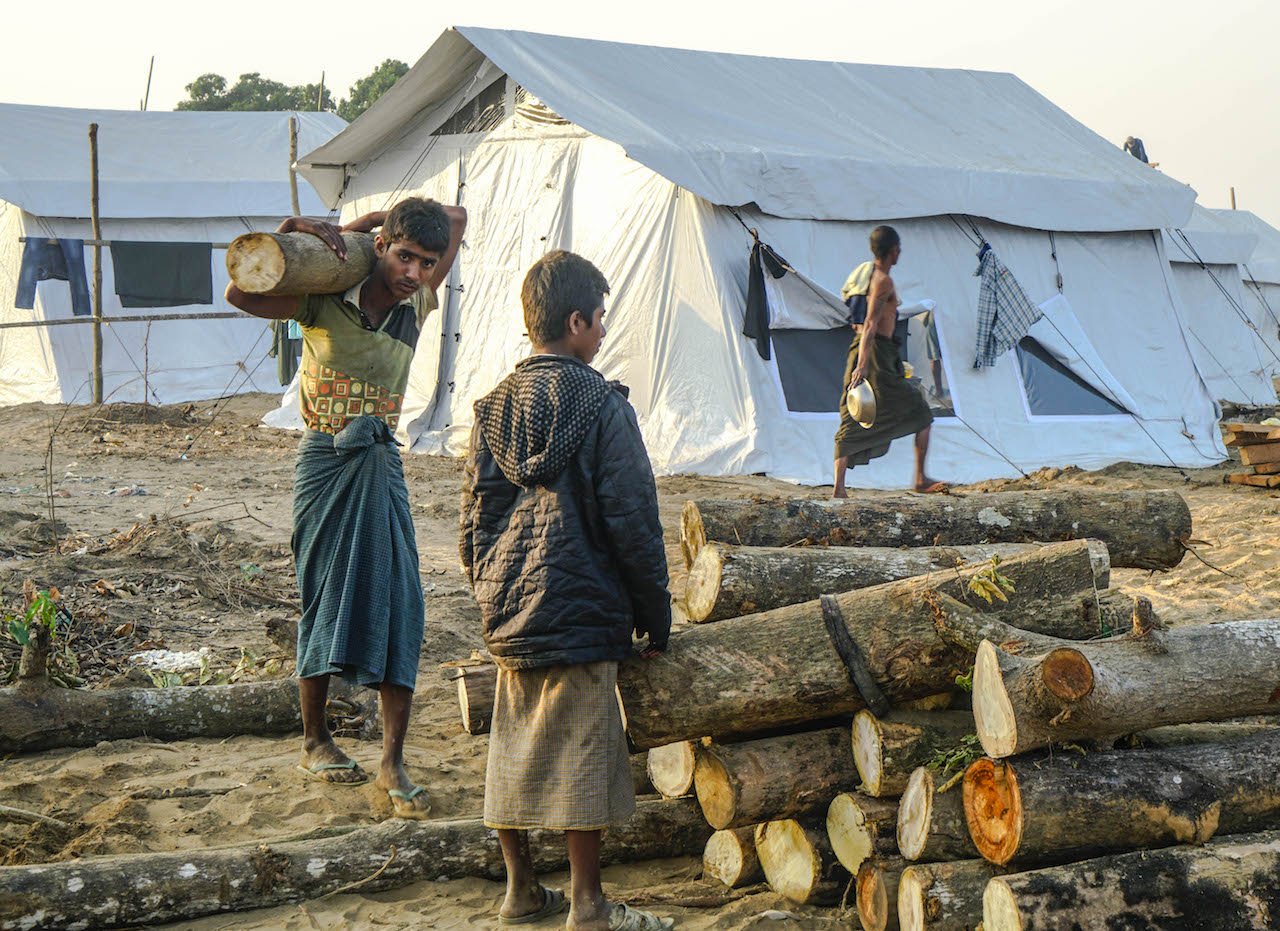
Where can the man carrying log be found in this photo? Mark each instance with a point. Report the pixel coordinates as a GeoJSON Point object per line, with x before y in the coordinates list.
{"type": "Point", "coordinates": [563, 548]}
{"type": "Point", "coordinates": [874, 357]}
{"type": "Point", "coordinates": [353, 538]}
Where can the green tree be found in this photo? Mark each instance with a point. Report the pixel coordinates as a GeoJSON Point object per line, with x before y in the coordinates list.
{"type": "Point", "coordinates": [251, 92]}
{"type": "Point", "coordinates": [370, 87]}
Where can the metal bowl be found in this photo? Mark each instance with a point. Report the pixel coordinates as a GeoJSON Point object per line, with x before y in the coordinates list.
{"type": "Point", "coordinates": [861, 401]}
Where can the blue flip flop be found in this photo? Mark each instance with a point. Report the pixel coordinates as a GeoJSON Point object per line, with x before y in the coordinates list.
{"type": "Point", "coordinates": [403, 796]}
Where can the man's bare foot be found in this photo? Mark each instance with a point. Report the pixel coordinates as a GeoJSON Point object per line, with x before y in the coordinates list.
{"type": "Point", "coordinates": [324, 761]}
{"type": "Point", "coordinates": [408, 800]}
{"type": "Point", "coordinates": [840, 493]}
{"type": "Point", "coordinates": [928, 486]}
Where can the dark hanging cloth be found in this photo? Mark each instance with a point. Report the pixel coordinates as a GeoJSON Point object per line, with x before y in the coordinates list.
{"type": "Point", "coordinates": [60, 259]}
{"type": "Point", "coordinates": [755, 322]}
{"type": "Point", "coordinates": [284, 349]}
{"type": "Point", "coordinates": [162, 274]}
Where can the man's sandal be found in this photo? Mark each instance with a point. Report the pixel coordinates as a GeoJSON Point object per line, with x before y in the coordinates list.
{"type": "Point", "coordinates": [553, 903]}
{"type": "Point", "coordinates": [316, 771]}
{"type": "Point", "coordinates": [411, 811]}
{"type": "Point", "coordinates": [626, 918]}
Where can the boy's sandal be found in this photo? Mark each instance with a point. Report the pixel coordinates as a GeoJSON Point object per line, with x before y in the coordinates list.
{"type": "Point", "coordinates": [316, 772]}
{"type": "Point", "coordinates": [553, 903]}
{"type": "Point", "coordinates": [410, 810]}
{"type": "Point", "coordinates": [626, 918]}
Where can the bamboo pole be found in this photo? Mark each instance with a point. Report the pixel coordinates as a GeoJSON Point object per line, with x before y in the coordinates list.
{"type": "Point", "coordinates": [293, 174]}
{"type": "Point", "coordinates": [128, 318]}
{"type": "Point", "coordinates": [97, 263]}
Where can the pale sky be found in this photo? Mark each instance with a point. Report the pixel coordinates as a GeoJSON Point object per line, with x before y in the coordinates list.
{"type": "Point", "coordinates": [1199, 82]}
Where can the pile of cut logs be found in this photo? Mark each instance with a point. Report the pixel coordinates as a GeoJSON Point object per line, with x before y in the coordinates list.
{"type": "Point", "coordinates": [1080, 699]}
{"type": "Point", "coordinates": [1259, 446]}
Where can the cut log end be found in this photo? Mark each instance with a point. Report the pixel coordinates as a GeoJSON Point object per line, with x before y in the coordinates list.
{"type": "Point", "coordinates": [911, 901]}
{"type": "Point", "coordinates": [703, 586]}
{"type": "Point", "coordinates": [730, 858]}
{"type": "Point", "coordinates": [868, 754]}
{"type": "Point", "coordinates": [914, 814]}
{"type": "Point", "coordinates": [992, 709]}
{"type": "Point", "coordinates": [993, 809]}
{"type": "Point", "coordinates": [715, 791]}
{"type": "Point", "coordinates": [852, 832]}
{"type": "Point", "coordinates": [789, 860]}
{"type": "Point", "coordinates": [873, 897]}
{"type": "Point", "coordinates": [671, 768]}
{"type": "Point", "coordinates": [1067, 674]}
{"type": "Point", "coordinates": [693, 536]}
{"type": "Point", "coordinates": [255, 262]}
{"type": "Point", "coordinates": [1000, 908]}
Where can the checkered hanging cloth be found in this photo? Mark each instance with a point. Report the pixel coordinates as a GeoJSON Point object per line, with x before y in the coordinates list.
{"type": "Point", "coordinates": [1005, 313]}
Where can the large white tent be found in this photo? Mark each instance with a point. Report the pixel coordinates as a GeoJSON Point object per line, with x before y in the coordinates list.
{"type": "Point", "coordinates": [1231, 336]}
{"type": "Point", "coordinates": [185, 177]}
{"type": "Point", "coordinates": [656, 163]}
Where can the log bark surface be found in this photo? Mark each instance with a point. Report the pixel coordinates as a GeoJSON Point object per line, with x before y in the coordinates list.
{"type": "Point", "coordinates": [798, 862]}
{"type": "Point", "coordinates": [1142, 529]}
{"type": "Point", "coordinates": [943, 896]}
{"type": "Point", "coordinates": [773, 779]}
{"type": "Point", "coordinates": [887, 750]}
{"type": "Point", "coordinates": [293, 264]}
{"type": "Point", "coordinates": [1044, 810]}
{"type": "Point", "coordinates": [876, 893]}
{"type": "Point", "coordinates": [1233, 885]}
{"type": "Point", "coordinates": [730, 858]}
{"type": "Point", "coordinates": [144, 889]}
{"type": "Point", "coordinates": [779, 668]}
{"type": "Point", "coordinates": [730, 581]}
{"type": "Point", "coordinates": [931, 824]}
{"type": "Point", "coordinates": [1054, 691]}
{"type": "Point", "coordinates": [476, 687]}
{"type": "Point", "coordinates": [36, 717]}
{"type": "Point", "coordinates": [860, 827]}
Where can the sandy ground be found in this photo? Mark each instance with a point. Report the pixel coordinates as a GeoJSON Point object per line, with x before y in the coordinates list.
{"type": "Point", "coordinates": [201, 560]}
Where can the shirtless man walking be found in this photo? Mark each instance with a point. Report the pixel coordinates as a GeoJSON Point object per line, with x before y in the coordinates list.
{"type": "Point", "coordinates": [874, 357]}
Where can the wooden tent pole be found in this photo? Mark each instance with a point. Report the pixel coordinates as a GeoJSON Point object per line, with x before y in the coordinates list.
{"type": "Point", "coordinates": [293, 174]}
{"type": "Point", "coordinates": [97, 263]}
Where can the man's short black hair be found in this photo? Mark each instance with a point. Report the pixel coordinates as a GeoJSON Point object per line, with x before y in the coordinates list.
{"type": "Point", "coordinates": [883, 241]}
{"type": "Point", "coordinates": [418, 220]}
{"type": "Point", "coordinates": [558, 284]}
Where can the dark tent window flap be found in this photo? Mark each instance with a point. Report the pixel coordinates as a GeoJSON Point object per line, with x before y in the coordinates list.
{"type": "Point", "coordinates": [1053, 389]}
{"type": "Point", "coordinates": [811, 368]}
{"type": "Point", "coordinates": [162, 274]}
{"type": "Point", "coordinates": [755, 322]}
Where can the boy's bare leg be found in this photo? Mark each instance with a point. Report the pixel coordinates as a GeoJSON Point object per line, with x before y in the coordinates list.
{"type": "Point", "coordinates": [396, 703]}
{"type": "Point", "coordinates": [841, 465]}
{"type": "Point", "coordinates": [524, 895]}
{"type": "Point", "coordinates": [923, 482]}
{"type": "Point", "coordinates": [318, 747]}
{"type": "Point", "coordinates": [589, 910]}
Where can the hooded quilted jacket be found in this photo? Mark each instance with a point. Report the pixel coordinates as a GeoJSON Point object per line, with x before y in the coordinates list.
{"type": "Point", "coordinates": [560, 536]}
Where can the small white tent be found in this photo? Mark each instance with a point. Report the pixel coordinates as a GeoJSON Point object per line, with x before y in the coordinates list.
{"type": "Point", "coordinates": [655, 163]}
{"type": "Point", "coordinates": [1231, 337]}
{"type": "Point", "coordinates": [185, 177]}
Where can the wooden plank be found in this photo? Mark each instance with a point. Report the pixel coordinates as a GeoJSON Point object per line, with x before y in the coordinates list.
{"type": "Point", "coordinates": [1258, 481]}
{"type": "Point", "coordinates": [1251, 438]}
{"type": "Point", "coordinates": [1267, 468]}
{"type": "Point", "coordinates": [1267, 452]}
{"type": "Point", "coordinates": [1249, 427]}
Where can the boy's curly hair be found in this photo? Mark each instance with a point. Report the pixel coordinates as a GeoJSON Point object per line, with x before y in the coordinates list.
{"type": "Point", "coordinates": [419, 221]}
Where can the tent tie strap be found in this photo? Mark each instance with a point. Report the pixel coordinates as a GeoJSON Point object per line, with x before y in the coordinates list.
{"type": "Point", "coordinates": [855, 663]}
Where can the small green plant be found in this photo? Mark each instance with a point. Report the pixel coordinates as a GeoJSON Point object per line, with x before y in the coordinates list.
{"type": "Point", "coordinates": [964, 681]}
{"type": "Point", "coordinates": [989, 584]}
{"type": "Point", "coordinates": [250, 570]}
{"type": "Point", "coordinates": [247, 663]}
{"type": "Point", "coordinates": [164, 678]}
{"type": "Point", "coordinates": [953, 761]}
